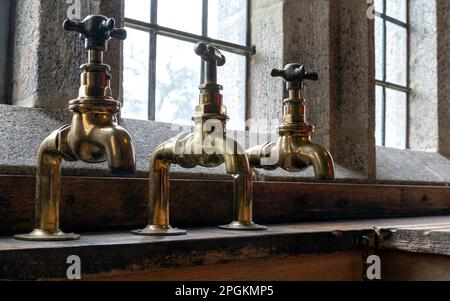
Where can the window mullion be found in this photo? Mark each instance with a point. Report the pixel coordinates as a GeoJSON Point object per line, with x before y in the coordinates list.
{"type": "Point", "coordinates": [247, 63]}
{"type": "Point", "coordinates": [152, 63]}
{"type": "Point", "coordinates": [383, 102]}
{"type": "Point", "coordinates": [408, 54]}
{"type": "Point", "coordinates": [204, 34]}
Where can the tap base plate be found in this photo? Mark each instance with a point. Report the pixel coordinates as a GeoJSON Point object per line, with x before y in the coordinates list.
{"type": "Point", "coordinates": [239, 226]}
{"type": "Point", "coordinates": [43, 235]}
{"type": "Point", "coordinates": [156, 230]}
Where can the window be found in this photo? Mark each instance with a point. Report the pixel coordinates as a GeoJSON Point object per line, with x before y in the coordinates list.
{"type": "Point", "coordinates": [392, 73]}
{"type": "Point", "coordinates": [162, 72]}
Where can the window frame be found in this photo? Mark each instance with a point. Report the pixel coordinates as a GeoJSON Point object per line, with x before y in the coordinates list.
{"type": "Point", "coordinates": [154, 29]}
{"type": "Point", "coordinates": [383, 83]}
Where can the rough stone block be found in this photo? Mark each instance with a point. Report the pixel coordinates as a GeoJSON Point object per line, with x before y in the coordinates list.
{"type": "Point", "coordinates": [267, 34]}
{"type": "Point", "coordinates": [405, 166]}
{"type": "Point", "coordinates": [334, 38]}
{"type": "Point", "coordinates": [423, 101]}
{"type": "Point", "coordinates": [46, 59]}
{"type": "Point", "coordinates": [443, 24]}
{"type": "Point", "coordinates": [354, 110]}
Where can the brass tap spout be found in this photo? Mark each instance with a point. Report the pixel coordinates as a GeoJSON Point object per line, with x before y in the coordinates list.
{"type": "Point", "coordinates": [294, 151]}
{"type": "Point", "coordinates": [94, 135]}
{"type": "Point", "coordinates": [208, 146]}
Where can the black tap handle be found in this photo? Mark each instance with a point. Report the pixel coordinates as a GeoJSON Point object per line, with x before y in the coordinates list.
{"type": "Point", "coordinates": [212, 59]}
{"type": "Point", "coordinates": [295, 75]}
{"type": "Point", "coordinates": [96, 31]}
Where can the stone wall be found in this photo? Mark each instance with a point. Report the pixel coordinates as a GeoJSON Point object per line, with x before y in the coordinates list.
{"type": "Point", "coordinates": [423, 102]}
{"type": "Point", "coordinates": [443, 63]}
{"type": "Point", "coordinates": [334, 38]}
{"type": "Point", "coordinates": [353, 108]}
{"type": "Point", "coordinates": [46, 60]}
{"type": "Point", "coordinates": [306, 39]}
{"type": "Point", "coordinates": [266, 94]}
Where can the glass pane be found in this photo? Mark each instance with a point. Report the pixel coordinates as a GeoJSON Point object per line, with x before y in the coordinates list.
{"type": "Point", "coordinates": [379, 116]}
{"type": "Point", "coordinates": [379, 53]}
{"type": "Point", "coordinates": [227, 20]}
{"type": "Point", "coordinates": [138, 10]}
{"type": "Point", "coordinates": [396, 9]}
{"type": "Point", "coordinates": [184, 15]}
{"type": "Point", "coordinates": [395, 119]}
{"type": "Point", "coordinates": [177, 81]}
{"type": "Point", "coordinates": [232, 78]}
{"type": "Point", "coordinates": [135, 77]}
{"type": "Point", "coordinates": [379, 5]}
{"type": "Point", "coordinates": [396, 59]}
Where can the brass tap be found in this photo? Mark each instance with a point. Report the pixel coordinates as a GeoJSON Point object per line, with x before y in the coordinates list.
{"type": "Point", "coordinates": [294, 151]}
{"type": "Point", "coordinates": [207, 146]}
{"type": "Point", "coordinates": [94, 135]}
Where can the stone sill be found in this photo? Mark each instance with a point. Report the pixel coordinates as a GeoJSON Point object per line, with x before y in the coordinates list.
{"type": "Point", "coordinates": [23, 129]}
{"type": "Point", "coordinates": [407, 166]}
{"type": "Point", "coordinates": [123, 252]}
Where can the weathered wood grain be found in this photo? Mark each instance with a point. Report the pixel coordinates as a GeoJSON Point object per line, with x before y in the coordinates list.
{"type": "Point", "coordinates": [424, 240]}
{"type": "Point", "coordinates": [341, 266]}
{"type": "Point", "coordinates": [127, 253]}
{"type": "Point", "coordinates": [102, 204]}
{"type": "Point", "coordinates": [110, 254]}
{"type": "Point", "coordinates": [405, 266]}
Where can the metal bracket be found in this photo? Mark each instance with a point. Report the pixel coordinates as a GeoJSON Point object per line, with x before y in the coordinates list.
{"type": "Point", "coordinates": [370, 244]}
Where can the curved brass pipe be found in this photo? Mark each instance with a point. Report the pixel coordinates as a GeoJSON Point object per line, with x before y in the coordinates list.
{"type": "Point", "coordinates": [160, 162]}
{"type": "Point", "coordinates": [83, 141]}
{"type": "Point", "coordinates": [174, 152]}
{"type": "Point", "coordinates": [94, 135]}
{"type": "Point", "coordinates": [238, 164]}
{"type": "Point", "coordinates": [208, 146]}
{"type": "Point", "coordinates": [48, 181]}
{"type": "Point", "coordinates": [321, 160]}
{"type": "Point", "coordinates": [293, 153]}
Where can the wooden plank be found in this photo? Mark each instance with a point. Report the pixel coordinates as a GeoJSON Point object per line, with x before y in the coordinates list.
{"type": "Point", "coordinates": [308, 201]}
{"type": "Point", "coordinates": [97, 204]}
{"type": "Point", "coordinates": [127, 253]}
{"type": "Point", "coordinates": [138, 256]}
{"type": "Point", "coordinates": [342, 266]}
{"type": "Point", "coordinates": [403, 266]}
{"type": "Point", "coordinates": [102, 204]}
{"type": "Point", "coordinates": [422, 240]}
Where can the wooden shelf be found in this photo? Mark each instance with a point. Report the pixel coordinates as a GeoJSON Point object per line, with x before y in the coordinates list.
{"type": "Point", "coordinates": [125, 253]}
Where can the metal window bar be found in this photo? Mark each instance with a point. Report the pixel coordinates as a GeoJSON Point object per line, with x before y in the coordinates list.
{"type": "Point", "coordinates": [154, 30]}
{"type": "Point", "coordinates": [152, 63]}
{"type": "Point", "coordinates": [204, 33]}
{"type": "Point", "coordinates": [384, 84]}
{"type": "Point", "coordinates": [248, 62]}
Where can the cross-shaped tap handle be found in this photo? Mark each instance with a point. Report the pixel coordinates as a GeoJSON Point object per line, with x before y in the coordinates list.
{"type": "Point", "coordinates": [96, 31]}
{"type": "Point", "coordinates": [212, 58]}
{"type": "Point", "coordinates": [295, 75]}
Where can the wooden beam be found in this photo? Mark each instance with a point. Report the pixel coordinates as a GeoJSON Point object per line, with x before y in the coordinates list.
{"type": "Point", "coordinates": [109, 252]}
{"type": "Point", "coordinates": [341, 266]}
{"type": "Point", "coordinates": [102, 204]}
{"type": "Point", "coordinates": [113, 255]}
{"type": "Point", "coordinates": [404, 266]}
